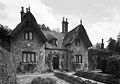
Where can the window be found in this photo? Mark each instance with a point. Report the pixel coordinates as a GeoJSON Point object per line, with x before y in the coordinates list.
{"type": "Point", "coordinates": [78, 58]}
{"type": "Point", "coordinates": [28, 57]}
{"type": "Point", "coordinates": [77, 42]}
{"type": "Point", "coordinates": [28, 35]}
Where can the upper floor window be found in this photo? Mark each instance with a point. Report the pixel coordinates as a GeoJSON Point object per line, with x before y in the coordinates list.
{"type": "Point", "coordinates": [28, 35]}
{"type": "Point", "coordinates": [77, 42]}
{"type": "Point", "coordinates": [78, 58]}
{"type": "Point", "coordinates": [53, 42]}
{"type": "Point", "coordinates": [28, 57]}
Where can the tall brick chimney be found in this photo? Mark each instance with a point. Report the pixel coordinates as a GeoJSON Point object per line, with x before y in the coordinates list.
{"type": "Point", "coordinates": [102, 45]}
{"type": "Point", "coordinates": [22, 13]}
{"type": "Point", "coordinates": [64, 25]}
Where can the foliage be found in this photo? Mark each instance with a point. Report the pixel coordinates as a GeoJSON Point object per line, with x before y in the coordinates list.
{"type": "Point", "coordinates": [4, 31]}
{"type": "Point", "coordinates": [113, 65]}
{"type": "Point", "coordinates": [44, 27]}
{"type": "Point", "coordinates": [109, 79]}
{"type": "Point", "coordinates": [114, 45]}
{"type": "Point", "coordinates": [4, 39]}
{"type": "Point", "coordinates": [103, 67]}
{"type": "Point", "coordinates": [40, 80]}
{"type": "Point", "coordinates": [72, 79]}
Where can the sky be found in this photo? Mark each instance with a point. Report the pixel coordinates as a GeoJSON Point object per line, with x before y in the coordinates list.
{"type": "Point", "coordinates": [101, 18]}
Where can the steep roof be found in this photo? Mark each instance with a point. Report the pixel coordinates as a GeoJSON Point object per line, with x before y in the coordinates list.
{"type": "Point", "coordinates": [50, 35]}
{"type": "Point", "coordinates": [54, 35]}
{"type": "Point", "coordinates": [73, 34]}
{"type": "Point", "coordinates": [28, 19]}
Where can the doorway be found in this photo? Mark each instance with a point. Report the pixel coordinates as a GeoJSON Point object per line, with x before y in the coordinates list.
{"type": "Point", "coordinates": [55, 63]}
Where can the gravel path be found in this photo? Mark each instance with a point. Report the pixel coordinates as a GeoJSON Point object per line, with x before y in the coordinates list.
{"type": "Point", "coordinates": [26, 79]}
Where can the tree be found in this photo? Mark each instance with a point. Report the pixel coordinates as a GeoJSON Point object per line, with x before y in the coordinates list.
{"type": "Point", "coordinates": [4, 31]}
{"type": "Point", "coordinates": [118, 37]}
{"type": "Point", "coordinates": [4, 37]}
{"type": "Point", "coordinates": [44, 27]}
{"type": "Point", "coordinates": [111, 45]}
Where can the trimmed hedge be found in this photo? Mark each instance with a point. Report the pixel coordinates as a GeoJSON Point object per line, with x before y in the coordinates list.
{"type": "Point", "coordinates": [72, 79]}
{"type": "Point", "coordinates": [40, 80]}
{"type": "Point", "coordinates": [98, 77]}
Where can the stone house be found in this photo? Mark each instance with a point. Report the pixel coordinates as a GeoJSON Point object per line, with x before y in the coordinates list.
{"type": "Point", "coordinates": [39, 50]}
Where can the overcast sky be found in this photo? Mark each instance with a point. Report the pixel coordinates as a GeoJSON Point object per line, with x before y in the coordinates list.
{"type": "Point", "coordinates": [101, 18]}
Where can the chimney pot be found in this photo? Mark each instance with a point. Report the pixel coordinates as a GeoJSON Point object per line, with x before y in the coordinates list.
{"type": "Point", "coordinates": [27, 10]}
{"type": "Point", "coordinates": [63, 18]}
{"type": "Point", "coordinates": [66, 19]}
{"type": "Point", "coordinates": [22, 8]}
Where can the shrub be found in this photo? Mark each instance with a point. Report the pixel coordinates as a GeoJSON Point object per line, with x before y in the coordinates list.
{"type": "Point", "coordinates": [113, 65]}
{"type": "Point", "coordinates": [103, 65]}
{"type": "Point", "coordinates": [72, 79]}
{"type": "Point", "coordinates": [110, 79]}
{"type": "Point", "coordinates": [40, 80]}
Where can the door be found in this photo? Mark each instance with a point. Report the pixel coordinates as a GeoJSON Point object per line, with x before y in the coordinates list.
{"type": "Point", "coordinates": [55, 63]}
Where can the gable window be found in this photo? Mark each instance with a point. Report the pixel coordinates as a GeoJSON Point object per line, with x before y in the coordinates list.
{"type": "Point", "coordinates": [28, 57]}
{"type": "Point", "coordinates": [28, 35]}
{"type": "Point", "coordinates": [78, 58]}
{"type": "Point", "coordinates": [77, 42]}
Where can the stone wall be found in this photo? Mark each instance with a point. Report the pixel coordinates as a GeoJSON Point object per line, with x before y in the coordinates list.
{"type": "Point", "coordinates": [19, 44]}
{"type": "Point", "coordinates": [78, 50]}
{"type": "Point", "coordinates": [7, 70]}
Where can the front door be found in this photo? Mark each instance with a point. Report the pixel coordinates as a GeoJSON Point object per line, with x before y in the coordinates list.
{"type": "Point", "coordinates": [55, 63]}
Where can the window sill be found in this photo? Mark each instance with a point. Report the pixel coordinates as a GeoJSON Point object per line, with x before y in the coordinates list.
{"type": "Point", "coordinates": [28, 62]}
{"type": "Point", "coordinates": [77, 63]}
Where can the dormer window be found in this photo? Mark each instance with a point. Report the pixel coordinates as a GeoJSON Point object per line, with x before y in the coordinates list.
{"type": "Point", "coordinates": [77, 42]}
{"type": "Point", "coordinates": [53, 42]}
{"type": "Point", "coordinates": [28, 35]}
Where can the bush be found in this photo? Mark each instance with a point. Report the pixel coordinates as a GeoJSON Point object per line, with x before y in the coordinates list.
{"type": "Point", "coordinates": [40, 80]}
{"type": "Point", "coordinates": [113, 65]}
{"type": "Point", "coordinates": [98, 77]}
{"type": "Point", "coordinates": [103, 65]}
{"type": "Point", "coordinates": [72, 79]}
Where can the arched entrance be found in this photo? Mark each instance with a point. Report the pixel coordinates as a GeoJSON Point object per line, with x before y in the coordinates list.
{"type": "Point", "coordinates": [55, 62]}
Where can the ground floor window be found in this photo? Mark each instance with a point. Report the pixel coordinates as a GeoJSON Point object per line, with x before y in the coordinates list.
{"type": "Point", "coordinates": [78, 58]}
{"type": "Point", "coordinates": [28, 57]}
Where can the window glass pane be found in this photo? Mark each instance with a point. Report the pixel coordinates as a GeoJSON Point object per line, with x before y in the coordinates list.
{"type": "Point", "coordinates": [80, 58]}
{"type": "Point", "coordinates": [32, 57]}
{"type": "Point", "coordinates": [30, 35]}
{"type": "Point", "coordinates": [28, 57]}
{"type": "Point", "coordinates": [26, 35]}
{"type": "Point", "coordinates": [24, 57]}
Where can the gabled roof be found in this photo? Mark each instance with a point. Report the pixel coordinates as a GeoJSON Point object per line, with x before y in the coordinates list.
{"type": "Point", "coordinates": [28, 18]}
{"type": "Point", "coordinates": [50, 35]}
{"type": "Point", "coordinates": [73, 34]}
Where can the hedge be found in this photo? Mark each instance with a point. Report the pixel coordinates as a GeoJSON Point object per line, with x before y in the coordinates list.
{"type": "Point", "coordinates": [109, 79]}
{"type": "Point", "coordinates": [72, 79]}
{"type": "Point", "coordinates": [40, 80]}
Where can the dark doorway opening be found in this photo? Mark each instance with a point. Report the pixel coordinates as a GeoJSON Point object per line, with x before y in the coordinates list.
{"type": "Point", "coordinates": [55, 63]}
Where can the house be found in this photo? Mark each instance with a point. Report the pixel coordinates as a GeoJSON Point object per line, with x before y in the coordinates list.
{"type": "Point", "coordinates": [39, 50]}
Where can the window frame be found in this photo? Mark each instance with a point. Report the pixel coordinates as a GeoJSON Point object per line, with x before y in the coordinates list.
{"type": "Point", "coordinates": [27, 35]}
{"type": "Point", "coordinates": [77, 42]}
{"type": "Point", "coordinates": [78, 58]}
{"type": "Point", "coordinates": [30, 58]}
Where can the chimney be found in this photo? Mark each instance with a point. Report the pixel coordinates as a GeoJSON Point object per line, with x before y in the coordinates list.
{"type": "Point", "coordinates": [64, 25]}
{"type": "Point", "coordinates": [102, 45]}
{"type": "Point", "coordinates": [27, 9]}
{"type": "Point", "coordinates": [22, 13]}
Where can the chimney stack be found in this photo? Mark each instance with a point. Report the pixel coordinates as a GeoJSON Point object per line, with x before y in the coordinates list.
{"type": "Point", "coordinates": [102, 45]}
{"type": "Point", "coordinates": [27, 9]}
{"type": "Point", "coordinates": [22, 13]}
{"type": "Point", "coordinates": [64, 25]}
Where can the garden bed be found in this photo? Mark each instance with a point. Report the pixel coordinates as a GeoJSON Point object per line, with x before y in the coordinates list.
{"type": "Point", "coordinates": [72, 79]}
{"type": "Point", "coordinates": [109, 79]}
